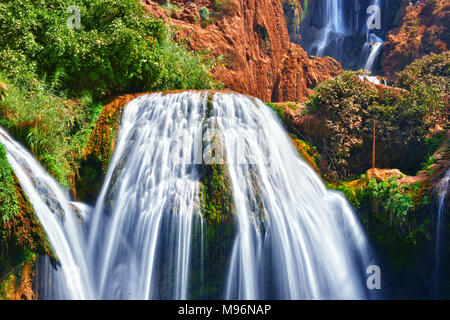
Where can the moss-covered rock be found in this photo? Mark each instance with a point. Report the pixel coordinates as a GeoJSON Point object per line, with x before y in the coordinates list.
{"type": "Point", "coordinates": [215, 228]}
{"type": "Point", "coordinates": [307, 151]}
{"type": "Point", "coordinates": [99, 149]}
{"type": "Point", "coordinates": [398, 213]}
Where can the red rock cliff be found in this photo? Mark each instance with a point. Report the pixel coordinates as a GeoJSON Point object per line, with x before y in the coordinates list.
{"type": "Point", "coordinates": [422, 29]}
{"type": "Point", "coordinates": [253, 39]}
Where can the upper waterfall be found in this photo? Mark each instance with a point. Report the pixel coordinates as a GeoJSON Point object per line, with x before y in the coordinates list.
{"type": "Point", "coordinates": [285, 237]}
{"type": "Point", "coordinates": [352, 32]}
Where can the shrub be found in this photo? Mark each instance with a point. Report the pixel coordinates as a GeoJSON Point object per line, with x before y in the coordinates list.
{"type": "Point", "coordinates": [349, 108]}
{"type": "Point", "coordinates": [119, 48]}
{"type": "Point", "coordinates": [8, 198]}
{"type": "Point", "coordinates": [432, 70]}
{"type": "Point", "coordinates": [204, 13]}
{"type": "Point", "coordinates": [52, 127]}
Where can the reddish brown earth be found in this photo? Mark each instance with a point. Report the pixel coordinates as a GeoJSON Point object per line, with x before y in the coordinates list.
{"type": "Point", "coordinates": [252, 38]}
{"type": "Point", "coordinates": [421, 30]}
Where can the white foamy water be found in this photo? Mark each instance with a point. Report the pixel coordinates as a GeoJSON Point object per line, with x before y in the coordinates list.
{"type": "Point", "coordinates": [293, 238]}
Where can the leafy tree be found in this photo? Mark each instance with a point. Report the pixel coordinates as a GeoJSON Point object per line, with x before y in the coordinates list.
{"type": "Point", "coordinates": [118, 48]}
{"type": "Point", "coordinates": [348, 109]}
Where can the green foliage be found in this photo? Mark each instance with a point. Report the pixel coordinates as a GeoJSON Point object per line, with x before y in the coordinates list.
{"type": "Point", "coordinates": [394, 198]}
{"type": "Point", "coordinates": [216, 194]}
{"type": "Point", "coordinates": [349, 108]}
{"type": "Point", "coordinates": [204, 13]}
{"type": "Point", "coordinates": [8, 198]}
{"type": "Point", "coordinates": [54, 128]}
{"type": "Point", "coordinates": [402, 207]}
{"type": "Point", "coordinates": [432, 70]}
{"type": "Point", "coordinates": [170, 7]}
{"type": "Point", "coordinates": [279, 110]}
{"type": "Point", "coordinates": [119, 48]}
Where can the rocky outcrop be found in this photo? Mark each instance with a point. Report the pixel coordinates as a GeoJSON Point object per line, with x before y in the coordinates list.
{"type": "Point", "coordinates": [422, 29]}
{"type": "Point", "coordinates": [251, 39]}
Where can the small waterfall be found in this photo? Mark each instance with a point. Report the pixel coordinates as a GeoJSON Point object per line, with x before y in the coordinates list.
{"type": "Point", "coordinates": [372, 46]}
{"type": "Point", "coordinates": [371, 50]}
{"type": "Point", "coordinates": [72, 279]}
{"type": "Point", "coordinates": [333, 26]}
{"type": "Point", "coordinates": [147, 238]}
{"type": "Point", "coordinates": [442, 194]}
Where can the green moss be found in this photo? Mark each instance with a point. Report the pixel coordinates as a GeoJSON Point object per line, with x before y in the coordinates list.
{"type": "Point", "coordinates": [397, 218]}
{"type": "Point", "coordinates": [216, 218]}
{"type": "Point", "coordinates": [215, 189]}
{"type": "Point", "coordinates": [307, 151]}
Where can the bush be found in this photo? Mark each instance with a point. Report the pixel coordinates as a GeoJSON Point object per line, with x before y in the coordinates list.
{"type": "Point", "coordinates": [349, 108]}
{"type": "Point", "coordinates": [54, 128]}
{"type": "Point", "coordinates": [204, 13]}
{"type": "Point", "coordinates": [8, 198]}
{"type": "Point", "coordinates": [432, 70]}
{"type": "Point", "coordinates": [119, 48]}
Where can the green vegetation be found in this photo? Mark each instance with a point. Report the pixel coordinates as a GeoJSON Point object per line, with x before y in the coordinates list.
{"type": "Point", "coordinates": [170, 7]}
{"type": "Point", "coordinates": [54, 128]}
{"type": "Point", "coordinates": [204, 13]}
{"type": "Point", "coordinates": [58, 77]}
{"type": "Point", "coordinates": [205, 17]}
{"type": "Point", "coordinates": [432, 70]}
{"type": "Point", "coordinates": [216, 200]}
{"type": "Point", "coordinates": [223, 6]}
{"type": "Point", "coordinates": [118, 48]}
{"type": "Point", "coordinates": [349, 109]}
{"type": "Point", "coordinates": [307, 151]}
{"type": "Point", "coordinates": [8, 198]}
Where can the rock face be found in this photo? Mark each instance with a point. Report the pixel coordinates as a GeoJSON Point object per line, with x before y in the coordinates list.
{"type": "Point", "coordinates": [422, 29]}
{"type": "Point", "coordinates": [253, 39]}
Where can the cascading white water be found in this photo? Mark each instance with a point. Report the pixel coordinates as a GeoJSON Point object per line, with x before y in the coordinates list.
{"type": "Point", "coordinates": [293, 238]}
{"type": "Point", "coordinates": [442, 194]}
{"type": "Point", "coordinates": [304, 242]}
{"type": "Point", "coordinates": [140, 235]}
{"type": "Point", "coordinates": [333, 25]}
{"type": "Point", "coordinates": [373, 45]}
{"type": "Point", "coordinates": [371, 50]}
{"type": "Point", "coordinates": [52, 207]}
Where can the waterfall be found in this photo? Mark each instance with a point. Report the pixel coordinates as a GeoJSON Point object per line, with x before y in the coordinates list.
{"type": "Point", "coordinates": [352, 32]}
{"type": "Point", "coordinates": [147, 237]}
{"type": "Point", "coordinates": [333, 27]}
{"type": "Point", "coordinates": [52, 207]}
{"type": "Point", "coordinates": [141, 229]}
{"type": "Point", "coordinates": [372, 46]}
{"type": "Point", "coordinates": [371, 50]}
{"type": "Point", "coordinates": [308, 243]}
{"type": "Point", "coordinates": [442, 194]}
